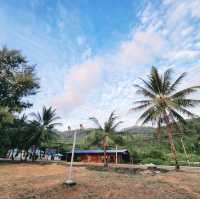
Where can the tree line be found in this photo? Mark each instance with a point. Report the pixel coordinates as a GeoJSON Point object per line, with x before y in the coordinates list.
{"type": "Point", "coordinates": [163, 106]}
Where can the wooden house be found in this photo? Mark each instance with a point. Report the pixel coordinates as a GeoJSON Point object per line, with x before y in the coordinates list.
{"type": "Point", "coordinates": [97, 156]}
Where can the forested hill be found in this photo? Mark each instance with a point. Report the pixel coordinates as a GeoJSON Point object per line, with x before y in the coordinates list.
{"type": "Point", "coordinates": [192, 125]}
{"type": "Point", "coordinates": [83, 132]}
{"type": "Point", "coordinates": [69, 133]}
{"type": "Point", "coordinates": [139, 130]}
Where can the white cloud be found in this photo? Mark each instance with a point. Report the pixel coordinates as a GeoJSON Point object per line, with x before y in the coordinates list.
{"type": "Point", "coordinates": [141, 49]}
{"type": "Point", "coordinates": [194, 8]}
{"type": "Point", "coordinates": [182, 54]}
{"type": "Point", "coordinates": [81, 79]}
{"type": "Point", "coordinates": [180, 10]}
{"type": "Point", "coordinates": [165, 37]}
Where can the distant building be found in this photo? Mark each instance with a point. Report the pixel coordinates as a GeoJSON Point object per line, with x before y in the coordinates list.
{"type": "Point", "coordinates": [97, 156]}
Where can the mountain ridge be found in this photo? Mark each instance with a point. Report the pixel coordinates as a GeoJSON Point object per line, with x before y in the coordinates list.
{"type": "Point", "coordinates": [83, 132]}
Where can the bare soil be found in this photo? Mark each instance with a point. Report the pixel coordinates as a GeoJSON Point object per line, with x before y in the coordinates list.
{"type": "Point", "coordinates": [27, 181]}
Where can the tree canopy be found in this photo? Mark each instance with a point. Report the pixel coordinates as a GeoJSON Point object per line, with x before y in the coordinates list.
{"type": "Point", "coordinates": [17, 80]}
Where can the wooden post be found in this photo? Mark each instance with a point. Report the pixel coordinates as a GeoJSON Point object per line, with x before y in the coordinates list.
{"type": "Point", "coordinates": [188, 161]}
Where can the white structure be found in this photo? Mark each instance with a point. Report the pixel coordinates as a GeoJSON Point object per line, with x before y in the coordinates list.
{"type": "Point", "coordinates": [70, 182]}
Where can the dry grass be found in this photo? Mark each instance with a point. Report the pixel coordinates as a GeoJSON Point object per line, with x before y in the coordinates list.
{"type": "Point", "coordinates": [23, 181]}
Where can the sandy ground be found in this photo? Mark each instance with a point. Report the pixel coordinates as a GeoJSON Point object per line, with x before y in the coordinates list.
{"type": "Point", "coordinates": [23, 181]}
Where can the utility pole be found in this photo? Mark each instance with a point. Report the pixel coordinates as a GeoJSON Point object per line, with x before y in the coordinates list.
{"type": "Point", "coordinates": [70, 182]}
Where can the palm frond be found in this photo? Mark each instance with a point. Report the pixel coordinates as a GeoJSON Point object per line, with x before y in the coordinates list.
{"type": "Point", "coordinates": [166, 81]}
{"type": "Point", "coordinates": [143, 102]}
{"type": "Point", "coordinates": [185, 92]}
{"type": "Point", "coordinates": [110, 125]}
{"type": "Point", "coordinates": [96, 122]}
{"type": "Point", "coordinates": [146, 116]}
{"type": "Point", "coordinates": [112, 117]}
{"type": "Point", "coordinates": [116, 125]}
{"type": "Point", "coordinates": [186, 112]}
{"type": "Point", "coordinates": [37, 117]}
{"type": "Point", "coordinates": [186, 102]}
{"type": "Point", "coordinates": [56, 124]}
{"type": "Point", "coordinates": [140, 107]}
{"type": "Point", "coordinates": [148, 86]}
{"type": "Point", "coordinates": [144, 91]}
{"type": "Point", "coordinates": [156, 80]}
{"type": "Point", "coordinates": [177, 82]}
{"type": "Point", "coordinates": [176, 115]}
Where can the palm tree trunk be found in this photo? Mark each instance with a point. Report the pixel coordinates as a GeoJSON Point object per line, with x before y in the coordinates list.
{"type": "Point", "coordinates": [105, 154]}
{"type": "Point", "coordinates": [171, 142]}
{"type": "Point", "coordinates": [158, 133]}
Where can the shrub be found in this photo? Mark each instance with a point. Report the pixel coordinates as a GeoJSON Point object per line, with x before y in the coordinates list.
{"type": "Point", "coordinates": [154, 161]}
{"type": "Point", "coordinates": [155, 154]}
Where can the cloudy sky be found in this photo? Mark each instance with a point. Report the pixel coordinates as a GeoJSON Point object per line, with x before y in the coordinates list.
{"type": "Point", "coordinates": [89, 53]}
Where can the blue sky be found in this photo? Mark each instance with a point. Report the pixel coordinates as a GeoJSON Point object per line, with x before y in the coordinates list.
{"type": "Point", "coordinates": [89, 53]}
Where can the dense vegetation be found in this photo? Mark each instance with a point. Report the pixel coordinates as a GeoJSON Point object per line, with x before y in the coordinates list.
{"type": "Point", "coordinates": [147, 149]}
{"type": "Point", "coordinates": [17, 82]}
{"type": "Point", "coordinates": [143, 147]}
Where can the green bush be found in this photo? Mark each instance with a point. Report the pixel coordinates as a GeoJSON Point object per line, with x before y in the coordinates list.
{"type": "Point", "coordinates": [155, 154]}
{"type": "Point", "coordinates": [135, 156]}
{"type": "Point", "coordinates": [153, 161]}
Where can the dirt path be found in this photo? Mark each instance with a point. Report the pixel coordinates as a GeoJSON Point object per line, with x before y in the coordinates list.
{"type": "Point", "coordinates": [23, 181]}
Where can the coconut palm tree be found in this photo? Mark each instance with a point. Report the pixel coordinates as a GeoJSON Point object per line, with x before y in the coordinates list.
{"type": "Point", "coordinates": [109, 127]}
{"type": "Point", "coordinates": [43, 125]}
{"type": "Point", "coordinates": [163, 104]}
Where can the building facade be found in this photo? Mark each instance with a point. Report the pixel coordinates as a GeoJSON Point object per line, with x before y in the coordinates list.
{"type": "Point", "coordinates": [97, 156]}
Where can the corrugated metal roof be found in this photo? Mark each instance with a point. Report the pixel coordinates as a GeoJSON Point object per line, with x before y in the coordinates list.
{"type": "Point", "coordinates": [99, 151]}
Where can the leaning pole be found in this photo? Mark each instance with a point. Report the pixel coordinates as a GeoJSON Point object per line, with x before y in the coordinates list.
{"type": "Point", "coordinates": [69, 181]}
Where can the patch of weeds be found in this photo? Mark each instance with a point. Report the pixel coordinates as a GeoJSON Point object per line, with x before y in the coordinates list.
{"type": "Point", "coordinates": [128, 171]}
{"type": "Point", "coordinates": [97, 168]}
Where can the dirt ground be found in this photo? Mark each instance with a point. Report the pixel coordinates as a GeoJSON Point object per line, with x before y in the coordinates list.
{"type": "Point", "coordinates": [23, 181]}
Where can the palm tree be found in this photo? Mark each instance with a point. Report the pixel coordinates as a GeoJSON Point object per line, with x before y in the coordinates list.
{"type": "Point", "coordinates": [43, 125]}
{"type": "Point", "coordinates": [163, 104]}
{"type": "Point", "coordinates": [109, 127]}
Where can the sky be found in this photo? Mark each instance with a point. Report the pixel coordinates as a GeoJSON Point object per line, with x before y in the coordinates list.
{"type": "Point", "coordinates": [89, 53]}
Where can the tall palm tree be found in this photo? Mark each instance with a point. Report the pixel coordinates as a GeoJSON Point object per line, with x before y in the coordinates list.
{"type": "Point", "coordinates": [43, 125]}
{"type": "Point", "coordinates": [163, 104]}
{"type": "Point", "coordinates": [109, 127]}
